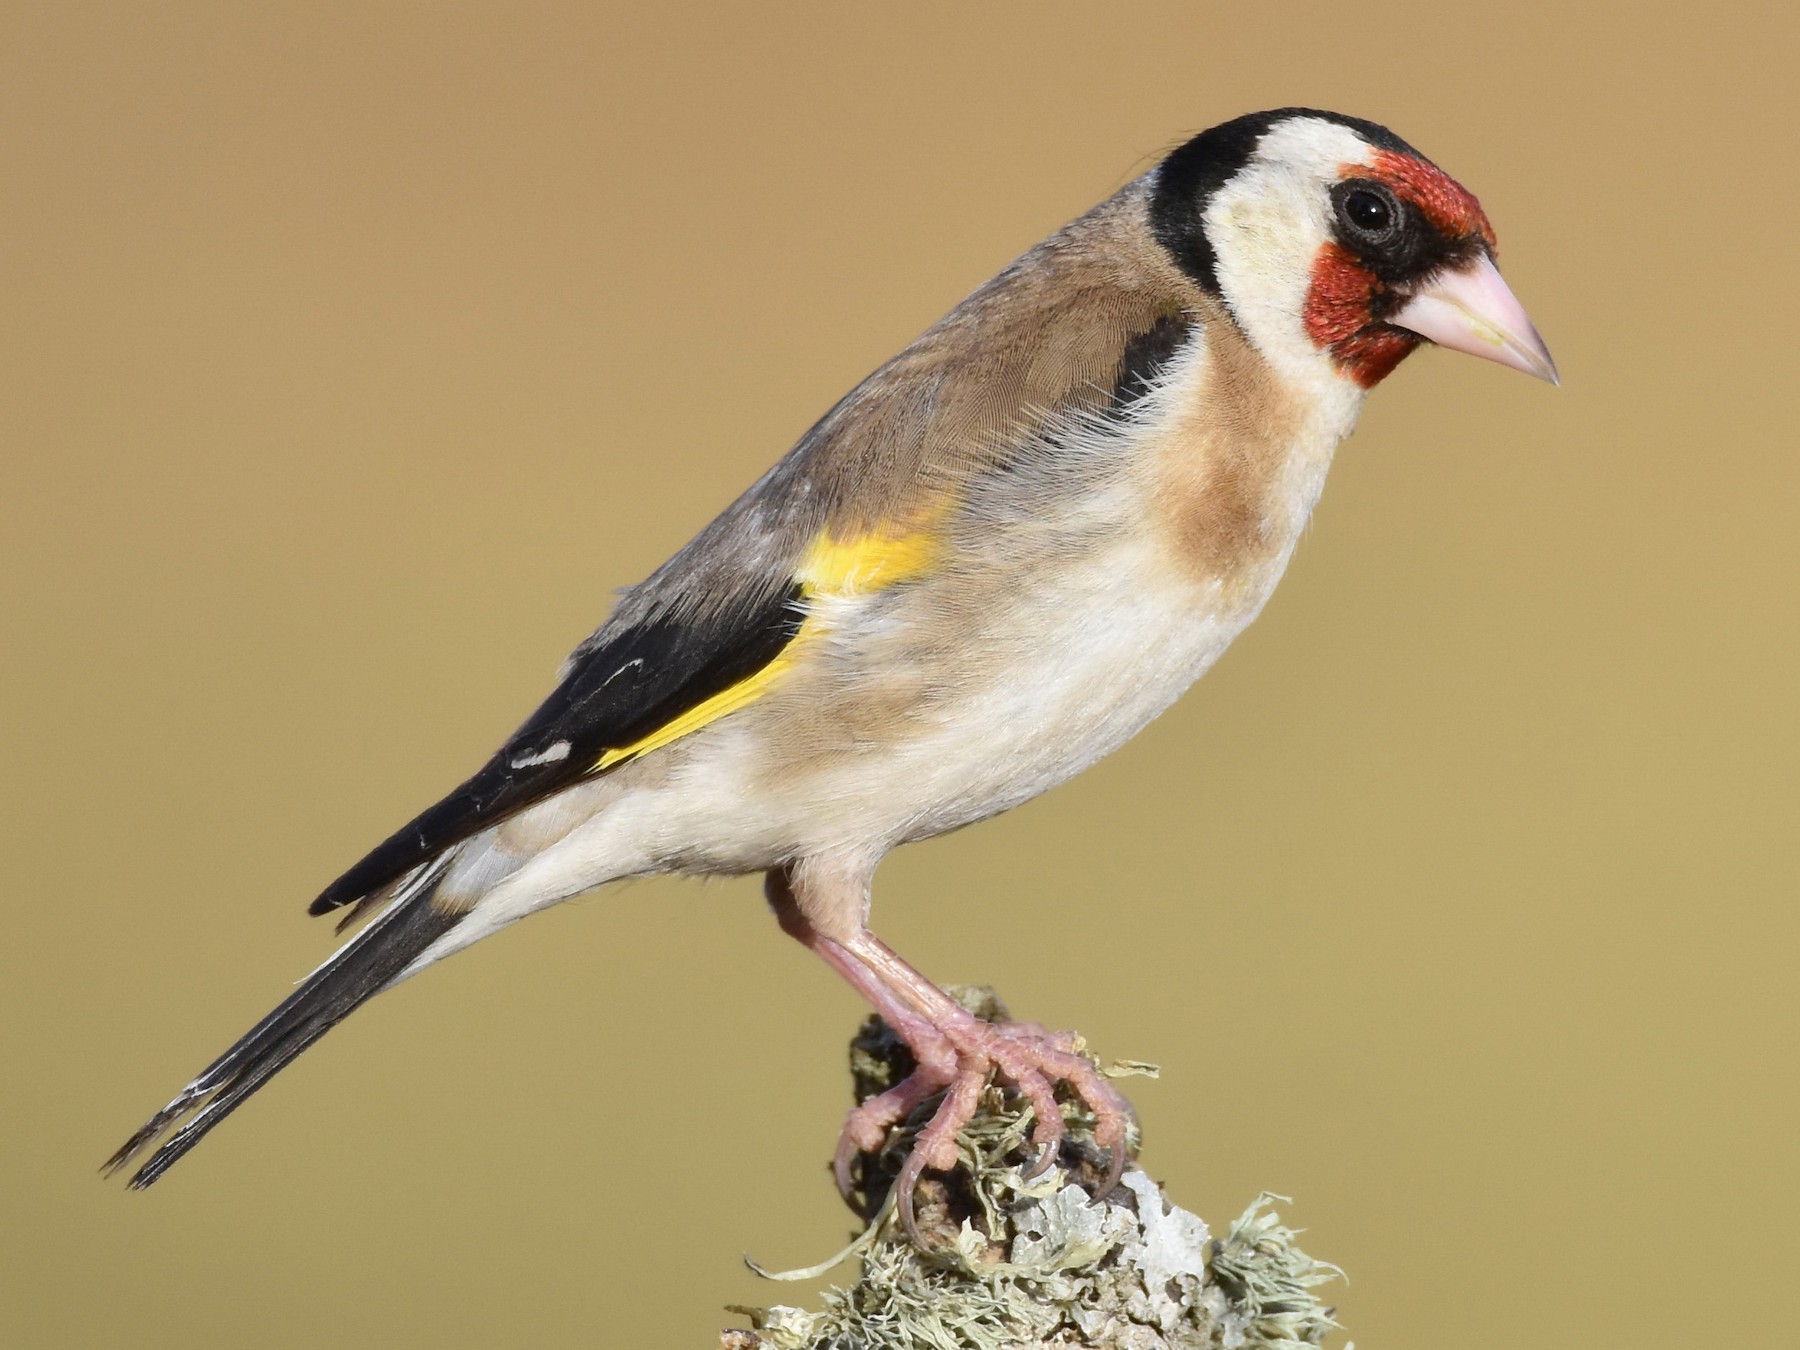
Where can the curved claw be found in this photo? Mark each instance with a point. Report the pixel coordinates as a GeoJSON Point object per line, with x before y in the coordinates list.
{"type": "Point", "coordinates": [1113, 1134]}
{"type": "Point", "coordinates": [904, 1185]}
{"type": "Point", "coordinates": [1114, 1171]}
{"type": "Point", "coordinates": [840, 1163]}
{"type": "Point", "coordinates": [1046, 1155]}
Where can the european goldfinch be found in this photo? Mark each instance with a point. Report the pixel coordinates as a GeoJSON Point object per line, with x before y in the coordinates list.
{"type": "Point", "coordinates": [995, 560]}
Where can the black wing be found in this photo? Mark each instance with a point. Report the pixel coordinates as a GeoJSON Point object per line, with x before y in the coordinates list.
{"type": "Point", "coordinates": [617, 688]}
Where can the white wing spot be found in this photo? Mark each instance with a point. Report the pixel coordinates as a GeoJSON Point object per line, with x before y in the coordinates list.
{"type": "Point", "coordinates": [548, 755]}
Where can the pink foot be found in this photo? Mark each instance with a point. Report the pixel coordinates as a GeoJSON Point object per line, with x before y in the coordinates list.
{"type": "Point", "coordinates": [960, 1057]}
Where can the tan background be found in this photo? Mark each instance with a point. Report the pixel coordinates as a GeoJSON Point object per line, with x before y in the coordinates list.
{"type": "Point", "coordinates": [351, 354]}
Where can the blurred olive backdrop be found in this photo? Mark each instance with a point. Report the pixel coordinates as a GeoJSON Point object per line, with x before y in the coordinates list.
{"type": "Point", "coordinates": [351, 354]}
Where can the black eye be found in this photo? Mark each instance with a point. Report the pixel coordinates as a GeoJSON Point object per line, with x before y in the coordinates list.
{"type": "Point", "coordinates": [1367, 213]}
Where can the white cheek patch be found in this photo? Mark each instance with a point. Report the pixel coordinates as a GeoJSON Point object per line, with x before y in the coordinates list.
{"type": "Point", "coordinates": [1267, 225]}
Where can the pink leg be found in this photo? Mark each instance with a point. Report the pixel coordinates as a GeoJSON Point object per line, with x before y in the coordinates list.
{"type": "Point", "coordinates": [955, 1050]}
{"type": "Point", "coordinates": [938, 1065]}
{"type": "Point", "coordinates": [936, 1059]}
{"type": "Point", "coordinates": [1023, 1053]}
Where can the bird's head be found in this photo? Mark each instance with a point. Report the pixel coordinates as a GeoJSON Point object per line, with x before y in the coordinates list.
{"type": "Point", "coordinates": [1335, 244]}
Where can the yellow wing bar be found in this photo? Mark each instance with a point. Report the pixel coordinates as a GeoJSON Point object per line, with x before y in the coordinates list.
{"type": "Point", "coordinates": [830, 568]}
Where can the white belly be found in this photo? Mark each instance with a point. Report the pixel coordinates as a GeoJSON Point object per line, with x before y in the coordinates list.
{"type": "Point", "coordinates": [1096, 659]}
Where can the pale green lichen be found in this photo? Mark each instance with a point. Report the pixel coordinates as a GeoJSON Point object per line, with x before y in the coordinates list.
{"type": "Point", "coordinates": [1011, 1263]}
{"type": "Point", "coordinates": [1267, 1284]}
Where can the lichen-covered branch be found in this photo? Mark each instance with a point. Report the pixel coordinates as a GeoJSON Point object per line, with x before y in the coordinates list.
{"type": "Point", "coordinates": [1006, 1261]}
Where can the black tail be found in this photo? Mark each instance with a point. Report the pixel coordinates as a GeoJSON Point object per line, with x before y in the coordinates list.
{"type": "Point", "coordinates": [368, 964]}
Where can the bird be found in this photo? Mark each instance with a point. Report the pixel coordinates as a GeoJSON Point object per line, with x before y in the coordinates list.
{"type": "Point", "coordinates": [992, 562]}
